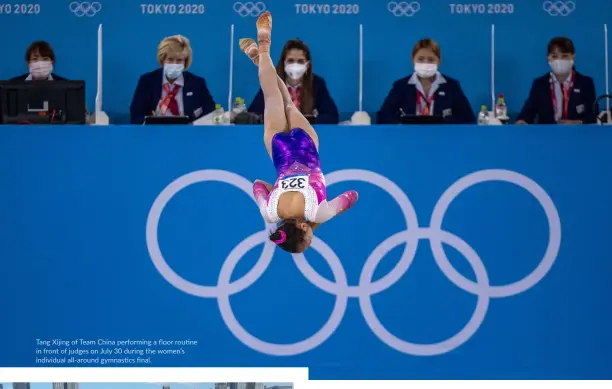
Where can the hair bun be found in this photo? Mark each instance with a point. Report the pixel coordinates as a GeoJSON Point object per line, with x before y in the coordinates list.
{"type": "Point", "coordinates": [279, 237]}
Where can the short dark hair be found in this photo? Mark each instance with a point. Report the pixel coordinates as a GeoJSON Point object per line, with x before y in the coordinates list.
{"type": "Point", "coordinates": [294, 235]}
{"type": "Point", "coordinates": [43, 48]}
{"type": "Point", "coordinates": [563, 44]}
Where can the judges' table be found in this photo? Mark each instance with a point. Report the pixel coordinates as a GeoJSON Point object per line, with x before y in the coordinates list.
{"type": "Point", "coordinates": [472, 252]}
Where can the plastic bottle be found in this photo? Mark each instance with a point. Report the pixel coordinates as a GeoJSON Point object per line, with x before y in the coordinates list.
{"type": "Point", "coordinates": [239, 106]}
{"type": "Point", "coordinates": [483, 116]}
{"type": "Point", "coordinates": [501, 110]}
{"type": "Point", "coordinates": [218, 114]}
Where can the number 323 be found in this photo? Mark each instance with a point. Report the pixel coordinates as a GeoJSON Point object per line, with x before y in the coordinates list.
{"type": "Point", "coordinates": [294, 183]}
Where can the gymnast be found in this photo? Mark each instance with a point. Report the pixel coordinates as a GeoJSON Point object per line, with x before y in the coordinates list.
{"type": "Point", "coordinates": [298, 199]}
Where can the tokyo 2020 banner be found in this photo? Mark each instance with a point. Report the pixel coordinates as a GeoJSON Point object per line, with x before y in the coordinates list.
{"type": "Point", "coordinates": [132, 31]}
{"type": "Point", "coordinates": [479, 256]}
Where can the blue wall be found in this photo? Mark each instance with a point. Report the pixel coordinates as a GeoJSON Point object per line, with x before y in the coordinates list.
{"type": "Point", "coordinates": [131, 38]}
{"type": "Point", "coordinates": [79, 250]}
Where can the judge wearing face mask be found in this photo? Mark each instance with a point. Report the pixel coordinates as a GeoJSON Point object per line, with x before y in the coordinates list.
{"type": "Point", "coordinates": [563, 95]}
{"type": "Point", "coordinates": [308, 90]}
{"type": "Point", "coordinates": [171, 90]}
{"type": "Point", "coordinates": [426, 92]}
{"type": "Point", "coordinates": [40, 59]}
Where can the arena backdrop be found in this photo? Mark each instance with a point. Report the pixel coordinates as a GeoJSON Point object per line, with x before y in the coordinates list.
{"type": "Point", "coordinates": [133, 29]}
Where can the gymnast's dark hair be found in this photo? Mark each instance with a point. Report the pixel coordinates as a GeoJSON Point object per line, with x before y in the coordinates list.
{"type": "Point", "coordinates": [288, 236]}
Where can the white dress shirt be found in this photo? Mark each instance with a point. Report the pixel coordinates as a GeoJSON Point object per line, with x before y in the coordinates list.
{"type": "Point", "coordinates": [438, 79]}
{"type": "Point", "coordinates": [29, 78]}
{"type": "Point", "coordinates": [559, 94]}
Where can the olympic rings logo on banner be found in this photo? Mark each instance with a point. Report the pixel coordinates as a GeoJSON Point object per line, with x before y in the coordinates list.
{"type": "Point", "coordinates": [404, 8]}
{"type": "Point", "coordinates": [85, 8]}
{"type": "Point", "coordinates": [249, 9]}
{"type": "Point", "coordinates": [559, 8]}
{"type": "Point", "coordinates": [366, 288]}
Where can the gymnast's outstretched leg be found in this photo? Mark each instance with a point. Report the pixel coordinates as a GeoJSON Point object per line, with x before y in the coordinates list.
{"type": "Point", "coordinates": [295, 118]}
{"type": "Point", "coordinates": [252, 51]}
{"type": "Point", "coordinates": [275, 120]}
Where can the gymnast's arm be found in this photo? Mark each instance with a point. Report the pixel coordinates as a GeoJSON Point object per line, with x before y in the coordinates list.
{"type": "Point", "coordinates": [261, 189]}
{"type": "Point", "coordinates": [340, 204]}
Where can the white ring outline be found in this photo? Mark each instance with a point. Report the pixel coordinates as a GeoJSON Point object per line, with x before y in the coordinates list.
{"type": "Point", "coordinates": [482, 304]}
{"type": "Point", "coordinates": [408, 255]}
{"type": "Point", "coordinates": [153, 243]}
{"type": "Point", "coordinates": [310, 343]}
{"type": "Point", "coordinates": [524, 182]}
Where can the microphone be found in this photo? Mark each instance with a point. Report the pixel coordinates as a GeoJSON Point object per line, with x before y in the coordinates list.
{"type": "Point", "coordinates": [605, 116]}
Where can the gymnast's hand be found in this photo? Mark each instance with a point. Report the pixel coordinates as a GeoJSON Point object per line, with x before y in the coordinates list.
{"type": "Point", "coordinates": [268, 186]}
{"type": "Point", "coordinates": [337, 206]}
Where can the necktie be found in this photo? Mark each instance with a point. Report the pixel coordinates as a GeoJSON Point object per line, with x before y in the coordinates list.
{"type": "Point", "coordinates": [170, 102]}
{"type": "Point", "coordinates": [295, 96]}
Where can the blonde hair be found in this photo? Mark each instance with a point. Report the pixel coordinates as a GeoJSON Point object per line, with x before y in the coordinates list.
{"type": "Point", "coordinates": [174, 44]}
{"type": "Point", "coordinates": [427, 44]}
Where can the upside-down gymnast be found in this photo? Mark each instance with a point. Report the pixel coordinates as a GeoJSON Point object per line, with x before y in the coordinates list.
{"type": "Point", "coordinates": [298, 199]}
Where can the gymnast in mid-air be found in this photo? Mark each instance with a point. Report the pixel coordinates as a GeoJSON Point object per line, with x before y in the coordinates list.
{"type": "Point", "coordinates": [298, 199]}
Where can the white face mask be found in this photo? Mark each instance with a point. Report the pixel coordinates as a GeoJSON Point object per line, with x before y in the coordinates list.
{"type": "Point", "coordinates": [561, 67]}
{"type": "Point", "coordinates": [425, 69]}
{"type": "Point", "coordinates": [40, 70]}
{"type": "Point", "coordinates": [295, 70]}
{"type": "Point", "coordinates": [173, 70]}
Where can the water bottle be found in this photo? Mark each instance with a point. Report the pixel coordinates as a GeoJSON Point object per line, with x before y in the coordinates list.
{"type": "Point", "coordinates": [218, 114]}
{"type": "Point", "coordinates": [483, 116]}
{"type": "Point", "coordinates": [239, 106]}
{"type": "Point", "coordinates": [501, 110]}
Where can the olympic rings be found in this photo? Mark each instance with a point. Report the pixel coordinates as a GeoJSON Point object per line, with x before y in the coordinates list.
{"type": "Point", "coordinates": [559, 8]}
{"type": "Point", "coordinates": [404, 8]}
{"type": "Point", "coordinates": [85, 8]}
{"type": "Point", "coordinates": [253, 9]}
{"type": "Point", "coordinates": [365, 288]}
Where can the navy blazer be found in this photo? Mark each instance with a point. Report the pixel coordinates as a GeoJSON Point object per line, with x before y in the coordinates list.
{"type": "Point", "coordinates": [24, 76]}
{"type": "Point", "coordinates": [327, 112]}
{"type": "Point", "coordinates": [539, 107]}
{"type": "Point", "coordinates": [450, 102]}
{"type": "Point", "coordinates": [197, 100]}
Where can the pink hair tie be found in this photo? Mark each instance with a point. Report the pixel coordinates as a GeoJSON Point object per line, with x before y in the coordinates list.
{"type": "Point", "coordinates": [282, 239]}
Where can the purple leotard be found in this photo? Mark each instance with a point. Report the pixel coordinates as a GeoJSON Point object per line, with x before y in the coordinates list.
{"type": "Point", "coordinates": [294, 153]}
{"type": "Point", "coordinates": [296, 160]}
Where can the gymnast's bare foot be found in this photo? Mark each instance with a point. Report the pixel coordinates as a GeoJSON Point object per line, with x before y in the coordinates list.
{"type": "Point", "coordinates": [249, 47]}
{"type": "Point", "coordinates": [264, 31]}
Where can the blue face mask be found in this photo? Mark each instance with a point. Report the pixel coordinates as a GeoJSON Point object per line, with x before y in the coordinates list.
{"type": "Point", "coordinates": [173, 70]}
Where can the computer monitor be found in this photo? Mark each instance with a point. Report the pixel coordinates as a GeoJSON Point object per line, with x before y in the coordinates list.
{"type": "Point", "coordinates": [42, 102]}
{"type": "Point", "coordinates": [166, 120]}
{"type": "Point", "coordinates": [420, 119]}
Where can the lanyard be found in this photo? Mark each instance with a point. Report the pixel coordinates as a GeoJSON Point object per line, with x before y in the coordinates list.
{"type": "Point", "coordinates": [565, 92]}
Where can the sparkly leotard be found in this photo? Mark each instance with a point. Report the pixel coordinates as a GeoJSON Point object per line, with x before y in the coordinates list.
{"type": "Point", "coordinates": [298, 169]}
